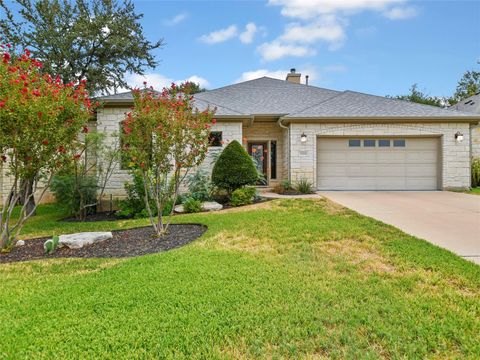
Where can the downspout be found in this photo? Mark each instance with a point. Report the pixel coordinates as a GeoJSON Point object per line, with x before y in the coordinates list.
{"type": "Point", "coordinates": [279, 123]}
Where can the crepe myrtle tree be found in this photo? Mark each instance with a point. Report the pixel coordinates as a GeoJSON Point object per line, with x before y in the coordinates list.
{"type": "Point", "coordinates": [165, 137]}
{"type": "Point", "coordinates": [40, 118]}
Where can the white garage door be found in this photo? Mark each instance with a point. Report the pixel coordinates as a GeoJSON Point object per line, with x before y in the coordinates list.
{"type": "Point", "coordinates": [377, 163]}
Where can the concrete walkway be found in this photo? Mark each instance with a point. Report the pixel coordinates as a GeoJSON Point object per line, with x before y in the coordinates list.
{"type": "Point", "coordinates": [447, 219]}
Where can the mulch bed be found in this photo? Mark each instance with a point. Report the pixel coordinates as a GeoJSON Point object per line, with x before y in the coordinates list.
{"type": "Point", "coordinates": [125, 243]}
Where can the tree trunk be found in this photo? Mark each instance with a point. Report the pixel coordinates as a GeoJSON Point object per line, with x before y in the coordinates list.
{"type": "Point", "coordinates": [28, 186]}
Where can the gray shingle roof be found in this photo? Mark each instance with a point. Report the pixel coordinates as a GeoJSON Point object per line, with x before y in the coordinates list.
{"type": "Point", "coordinates": [471, 105]}
{"type": "Point", "coordinates": [267, 96]}
{"type": "Point", "coordinates": [355, 104]}
{"type": "Point", "coordinates": [125, 96]}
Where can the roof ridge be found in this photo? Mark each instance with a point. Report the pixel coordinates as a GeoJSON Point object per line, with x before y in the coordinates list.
{"type": "Point", "coordinates": [339, 93]}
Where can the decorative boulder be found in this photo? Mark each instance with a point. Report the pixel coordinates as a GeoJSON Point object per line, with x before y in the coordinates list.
{"type": "Point", "coordinates": [211, 206]}
{"type": "Point", "coordinates": [79, 240]}
{"type": "Point", "coordinates": [206, 206]}
{"type": "Point", "coordinates": [20, 243]}
{"type": "Point", "coordinates": [178, 209]}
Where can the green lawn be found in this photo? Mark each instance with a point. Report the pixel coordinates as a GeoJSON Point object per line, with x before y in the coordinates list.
{"type": "Point", "coordinates": [475, 191]}
{"type": "Point", "coordinates": [287, 279]}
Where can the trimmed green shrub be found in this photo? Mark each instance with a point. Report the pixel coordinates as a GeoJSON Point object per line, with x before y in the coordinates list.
{"type": "Point", "coordinates": [243, 196]}
{"type": "Point", "coordinates": [70, 198]}
{"type": "Point", "coordinates": [234, 168]}
{"type": "Point", "coordinates": [476, 172]}
{"type": "Point", "coordinates": [192, 205]}
{"type": "Point", "coordinates": [304, 186]}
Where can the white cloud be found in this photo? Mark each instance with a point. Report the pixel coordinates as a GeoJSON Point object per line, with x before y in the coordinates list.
{"type": "Point", "coordinates": [246, 37]}
{"type": "Point", "coordinates": [327, 28]}
{"type": "Point", "coordinates": [198, 80]}
{"type": "Point", "coordinates": [400, 13]}
{"type": "Point", "coordinates": [177, 19]}
{"type": "Point", "coordinates": [276, 50]}
{"type": "Point", "coordinates": [220, 35]}
{"type": "Point", "coordinates": [159, 81]}
{"type": "Point", "coordinates": [310, 9]}
{"type": "Point", "coordinates": [277, 74]}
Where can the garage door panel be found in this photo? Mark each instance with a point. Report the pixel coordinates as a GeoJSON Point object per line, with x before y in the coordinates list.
{"type": "Point", "coordinates": [360, 156]}
{"type": "Point", "coordinates": [410, 167]}
{"type": "Point", "coordinates": [421, 156]}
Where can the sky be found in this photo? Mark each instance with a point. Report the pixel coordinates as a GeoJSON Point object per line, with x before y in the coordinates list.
{"type": "Point", "coordinates": [380, 47]}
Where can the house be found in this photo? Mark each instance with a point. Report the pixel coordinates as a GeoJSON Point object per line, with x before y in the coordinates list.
{"type": "Point", "coordinates": [337, 140]}
{"type": "Point", "coordinates": [471, 105]}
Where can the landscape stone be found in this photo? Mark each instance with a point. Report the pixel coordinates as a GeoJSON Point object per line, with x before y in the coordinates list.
{"type": "Point", "coordinates": [79, 240]}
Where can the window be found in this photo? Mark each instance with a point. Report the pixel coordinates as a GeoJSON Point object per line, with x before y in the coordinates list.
{"type": "Point", "coordinates": [353, 143]}
{"type": "Point", "coordinates": [399, 143]}
{"type": "Point", "coordinates": [383, 143]}
{"type": "Point", "coordinates": [215, 138]}
{"type": "Point", "coordinates": [369, 143]}
{"type": "Point", "coordinates": [273, 159]}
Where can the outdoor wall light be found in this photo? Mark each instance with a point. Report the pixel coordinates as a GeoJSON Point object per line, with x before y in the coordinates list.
{"type": "Point", "coordinates": [459, 136]}
{"type": "Point", "coordinates": [303, 138]}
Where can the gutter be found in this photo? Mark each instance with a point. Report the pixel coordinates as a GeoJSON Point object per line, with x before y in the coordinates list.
{"type": "Point", "coordinates": [279, 123]}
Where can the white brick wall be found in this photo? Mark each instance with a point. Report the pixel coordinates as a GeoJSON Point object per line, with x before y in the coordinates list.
{"type": "Point", "coordinates": [455, 156]}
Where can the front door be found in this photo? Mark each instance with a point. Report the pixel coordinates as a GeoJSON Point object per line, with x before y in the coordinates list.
{"type": "Point", "coordinates": [259, 152]}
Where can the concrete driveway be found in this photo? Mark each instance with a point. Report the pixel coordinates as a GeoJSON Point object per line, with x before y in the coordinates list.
{"type": "Point", "coordinates": [447, 219]}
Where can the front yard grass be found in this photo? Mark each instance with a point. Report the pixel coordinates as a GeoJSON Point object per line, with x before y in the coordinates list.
{"type": "Point", "coordinates": [282, 279]}
{"type": "Point", "coordinates": [475, 191]}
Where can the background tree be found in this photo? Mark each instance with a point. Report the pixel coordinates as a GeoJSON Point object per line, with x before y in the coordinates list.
{"type": "Point", "coordinates": [40, 119]}
{"type": "Point", "coordinates": [96, 40]}
{"type": "Point", "coordinates": [419, 97]}
{"type": "Point", "coordinates": [165, 137]}
{"type": "Point", "coordinates": [468, 85]}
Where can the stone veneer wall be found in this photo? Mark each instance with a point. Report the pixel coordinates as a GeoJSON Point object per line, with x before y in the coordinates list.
{"type": "Point", "coordinates": [475, 135]}
{"type": "Point", "coordinates": [455, 156]}
{"type": "Point", "coordinates": [109, 119]}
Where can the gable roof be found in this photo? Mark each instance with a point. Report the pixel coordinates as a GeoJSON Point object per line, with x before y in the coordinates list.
{"type": "Point", "coordinates": [267, 96]}
{"type": "Point", "coordinates": [471, 104]}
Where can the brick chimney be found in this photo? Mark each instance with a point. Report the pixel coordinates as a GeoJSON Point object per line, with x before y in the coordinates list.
{"type": "Point", "coordinates": [293, 77]}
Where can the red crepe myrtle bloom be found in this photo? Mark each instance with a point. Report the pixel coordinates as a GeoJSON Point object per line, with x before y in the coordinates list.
{"type": "Point", "coordinates": [45, 142]}
{"type": "Point", "coordinates": [85, 130]}
{"type": "Point", "coordinates": [2, 103]}
{"type": "Point", "coordinates": [9, 46]}
{"type": "Point", "coordinates": [76, 156]}
{"type": "Point", "coordinates": [36, 92]}
{"type": "Point", "coordinates": [214, 121]}
{"type": "Point", "coordinates": [6, 58]}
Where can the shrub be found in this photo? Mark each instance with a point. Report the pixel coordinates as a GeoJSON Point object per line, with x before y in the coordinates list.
{"type": "Point", "coordinates": [133, 206]}
{"type": "Point", "coordinates": [285, 187]}
{"type": "Point", "coordinates": [71, 192]}
{"type": "Point", "coordinates": [476, 172]}
{"type": "Point", "coordinates": [200, 187]}
{"type": "Point", "coordinates": [304, 186]}
{"type": "Point", "coordinates": [192, 205]}
{"type": "Point", "coordinates": [243, 196]}
{"type": "Point", "coordinates": [51, 245]}
{"type": "Point", "coordinates": [234, 168]}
